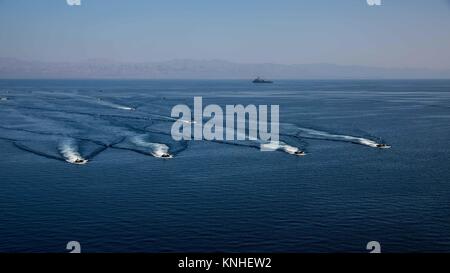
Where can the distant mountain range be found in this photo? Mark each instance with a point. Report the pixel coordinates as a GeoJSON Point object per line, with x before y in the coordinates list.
{"type": "Point", "coordinates": [197, 69]}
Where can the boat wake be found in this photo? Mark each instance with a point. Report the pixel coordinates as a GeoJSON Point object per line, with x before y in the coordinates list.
{"type": "Point", "coordinates": [267, 146]}
{"type": "Point", "coordinates": [281, 146]}
{"type": "Point", "coordinates": [24, 146]}
{"type": "Point", "coordinates": [69, 150]}
{"type": "Point", "coordinates": [316, 134]}
{"type": "Point", "coordinates": [156, 149]}
{"type": "Point", "coordinates": [114, 105]}
{"type": "Point", "coordinates": [74, 128]}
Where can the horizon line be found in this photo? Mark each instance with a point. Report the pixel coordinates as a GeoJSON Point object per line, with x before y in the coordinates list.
{"type": "Point", "coordinates": [223, 79]}
{"type": "Point", "coordinates": [114, 61]}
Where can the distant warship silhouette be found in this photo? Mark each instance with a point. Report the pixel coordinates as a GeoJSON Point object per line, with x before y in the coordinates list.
{"type": "Point", "coordinates": [260, 80]}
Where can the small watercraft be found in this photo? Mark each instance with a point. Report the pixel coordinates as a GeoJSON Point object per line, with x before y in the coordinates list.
{"type": "Point", "coordinates": [166, 155]}
{"type": "Point", "coordinates": [383, 146]}
{"type": "Point", "coordinates": [162, 155]}
{"type": "Point", "coordinates": [299, 153]}
{"type": "Point", "coordinates": [79, 161]}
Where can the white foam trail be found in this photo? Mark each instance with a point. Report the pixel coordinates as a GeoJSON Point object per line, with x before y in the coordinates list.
{"type": "Point", "coordinates": [274, 145]}
{"type": "Point", "coordinates": [359, 140]}
{"type": "Point", "coordinates": [3, 99]}
{"type": "Point", "coordinates": [279, 145]}
{"type": "Point", "coordinates": [69, 149]}
{"type": "Point", "coordinates": [114, 105]}
{"type": "Point", "coordinates": [175, 119]}
{"type": "Point", "coordinates": [157, 149]}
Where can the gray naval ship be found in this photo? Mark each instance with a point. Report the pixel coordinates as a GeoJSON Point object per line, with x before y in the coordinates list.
{"type": "Point", "coordinates": [261, 80]}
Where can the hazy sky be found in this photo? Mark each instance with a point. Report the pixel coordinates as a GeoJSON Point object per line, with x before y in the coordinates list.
{"type": "Point", "coordinates": [400, 33]}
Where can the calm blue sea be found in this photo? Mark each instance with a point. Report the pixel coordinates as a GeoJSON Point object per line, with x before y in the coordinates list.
{"type": "Point", "coordinates": [227, 197]}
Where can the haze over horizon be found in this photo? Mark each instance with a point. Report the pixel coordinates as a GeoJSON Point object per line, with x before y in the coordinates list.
{"type": "Point", "coordinates": [410, 34]}
{"type": "Point", "coordinates": [11, 68]}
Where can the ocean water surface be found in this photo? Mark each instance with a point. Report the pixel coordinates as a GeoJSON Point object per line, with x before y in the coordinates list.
{"type": "Point", "coordinates": [81, 160]}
